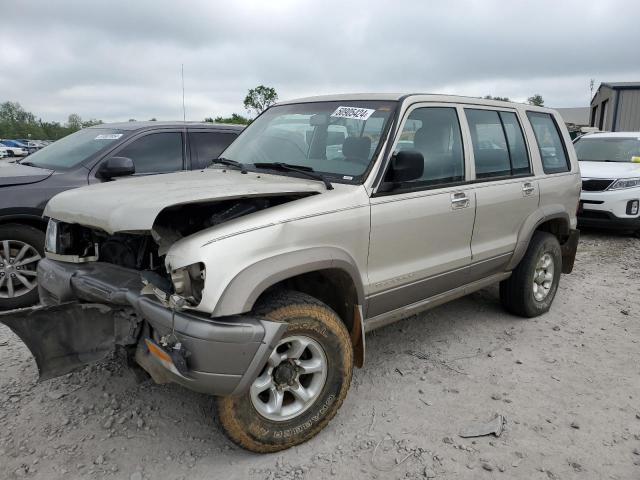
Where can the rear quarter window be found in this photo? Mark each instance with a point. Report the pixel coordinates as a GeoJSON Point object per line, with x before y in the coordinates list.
{"type": "Point", "coordinates": [550, 144]}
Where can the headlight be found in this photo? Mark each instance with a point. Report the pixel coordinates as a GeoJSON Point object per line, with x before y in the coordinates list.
{"type": "Point", "coordinates": [625, 183]}
{"type": "Point", "coordinates": [188, 282]}
{"type": "Point", "coordinates": [51, 237]}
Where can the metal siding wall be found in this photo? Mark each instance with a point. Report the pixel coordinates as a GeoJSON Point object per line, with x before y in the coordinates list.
{"type": "Point", "coordinates": [604, 93]}
{"type": "Point", "coordinates": [629, 111]}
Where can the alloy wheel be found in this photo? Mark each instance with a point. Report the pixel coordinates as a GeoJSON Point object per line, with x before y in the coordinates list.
{"type": "Point", "coordinates": [18, 263]}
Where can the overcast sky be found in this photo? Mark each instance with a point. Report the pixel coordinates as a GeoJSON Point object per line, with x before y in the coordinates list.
{"type": "Point", "coordinates": [116, 60]}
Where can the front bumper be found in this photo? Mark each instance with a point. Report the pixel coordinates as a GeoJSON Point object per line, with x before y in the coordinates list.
{"type": "Point", "coordinates": [223, 355]}
{"type": "Point", "coordinates": [608, 209]}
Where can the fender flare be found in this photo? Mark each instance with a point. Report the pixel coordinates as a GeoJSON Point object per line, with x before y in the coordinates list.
{"type": "Point", "coordinates": [533, 221]}
{"type": "Point", "coordinates": [244, 289]}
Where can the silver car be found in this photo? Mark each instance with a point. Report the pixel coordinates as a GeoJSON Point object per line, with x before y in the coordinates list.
{"type": "Point", "coordinates": [256, 280]}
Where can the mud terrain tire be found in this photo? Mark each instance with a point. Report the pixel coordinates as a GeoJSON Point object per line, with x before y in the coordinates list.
{"type": "Point", "coordinates": [306, 318]}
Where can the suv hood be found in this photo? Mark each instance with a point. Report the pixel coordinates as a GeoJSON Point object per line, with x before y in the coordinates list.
{"type": "Point", "coordinates": [16, 174]}
{"type": "Point", "coordinates": [609, 170]}
{"type": "Point", "coordinates": [133, 204]}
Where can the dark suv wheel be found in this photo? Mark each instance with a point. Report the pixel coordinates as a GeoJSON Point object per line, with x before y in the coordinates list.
{"type": "Point", "coordinates": [21, 248]}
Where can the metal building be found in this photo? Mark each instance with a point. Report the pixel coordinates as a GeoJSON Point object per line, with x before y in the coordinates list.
{"type": "Point", "coordinates": [616, 107]}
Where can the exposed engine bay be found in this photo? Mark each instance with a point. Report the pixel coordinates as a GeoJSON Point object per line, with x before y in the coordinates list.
{"type": "Point", "coordinates": [145, 251]}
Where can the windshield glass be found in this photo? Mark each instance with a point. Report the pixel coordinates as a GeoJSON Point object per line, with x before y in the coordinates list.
{"type": "Point", "coordinates": [334, 138]}
{"type": "Point", "coordinates": [75, 148]}
{"type": "Point", "coordinates": [608, 149]}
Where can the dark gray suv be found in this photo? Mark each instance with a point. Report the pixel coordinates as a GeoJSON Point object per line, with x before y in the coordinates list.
{"type": "Point", "coordinates": [91, 155]}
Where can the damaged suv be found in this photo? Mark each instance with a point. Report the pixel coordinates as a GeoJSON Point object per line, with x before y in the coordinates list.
{"type": "Point", "coordinates": [256, 279]}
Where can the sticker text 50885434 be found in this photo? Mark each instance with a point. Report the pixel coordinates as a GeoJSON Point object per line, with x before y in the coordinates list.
{"type": "Point", "coordinates": [356, 113]}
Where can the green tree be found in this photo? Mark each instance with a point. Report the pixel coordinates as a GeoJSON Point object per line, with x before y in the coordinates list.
{"type": "Point", "coordinates": [502, 99]}
{"type": "Point", "coordinates": [74, 122]}
{"type": "Point", "coordinates": [259, 99]}
{"type": "Point", "coordinates": [208, 120]}
{"type": "Point", "coordinates": [153, 119]}
{"type": "Point", "coordinates": [235, 118]}
{"type": "Point", "coordinates": [536, 100]}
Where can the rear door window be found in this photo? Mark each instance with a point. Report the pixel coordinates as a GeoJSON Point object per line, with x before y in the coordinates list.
{"type": "Point", "coordinates": [499, 148]}
{"type": "Point", "coordinates": [205, 146]}
{"type": "Point", "coordinates": [155, 153]}
{"type": "Point", "coordinates": [489, 143]}
{"type": "Point", "coordinates": [550, 144]}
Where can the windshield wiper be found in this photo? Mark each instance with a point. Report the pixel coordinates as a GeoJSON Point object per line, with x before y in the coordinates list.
{"type": "Point", "coordinates": [28, 164]}
{"type": "Point", "coordinates": [229, 163]}
{"type": "Point", "coordinates": [306, 171]}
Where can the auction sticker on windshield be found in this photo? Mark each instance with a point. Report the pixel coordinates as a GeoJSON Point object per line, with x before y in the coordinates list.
{"type": "Point", "coordinates": [353, 112]}
{"type": "Point", "coordinates": [108, 136]}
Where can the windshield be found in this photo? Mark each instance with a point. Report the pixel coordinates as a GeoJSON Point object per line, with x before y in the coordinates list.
{"type": "Point", "coordinates": [338, 139]}
{"type": "Point", "coordinates": [75, 148]}
{"type": "Point", "coordinates": [608, 149]}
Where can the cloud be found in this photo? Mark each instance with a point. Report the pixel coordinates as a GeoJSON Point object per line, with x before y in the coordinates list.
{"type": "Point", "coordinates": [118, 60]}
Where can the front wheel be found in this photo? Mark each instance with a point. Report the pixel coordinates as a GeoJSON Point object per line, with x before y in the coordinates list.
{"type": "Point", "coordinates": [532, 286]}
{"type": "Point", "coordinates": [303, 384]}
{"type": "Point", "coordinates": [21, 248]}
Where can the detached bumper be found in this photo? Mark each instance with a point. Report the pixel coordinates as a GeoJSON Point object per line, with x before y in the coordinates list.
{"type": "Point", "coordinates": [223, 355]}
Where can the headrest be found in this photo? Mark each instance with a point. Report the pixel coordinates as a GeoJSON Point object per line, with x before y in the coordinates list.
{"type": "Point", "coordinates": [356, 147]}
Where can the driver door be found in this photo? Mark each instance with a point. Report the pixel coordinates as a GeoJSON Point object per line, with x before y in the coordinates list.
{"type": "Point", "coordinates": [420, 242]}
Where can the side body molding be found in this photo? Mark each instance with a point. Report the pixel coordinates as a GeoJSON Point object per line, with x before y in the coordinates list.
{"type": "Point", "coordinates": [533, 221]}
{"type": "Point", "coordinates": [245, 288]}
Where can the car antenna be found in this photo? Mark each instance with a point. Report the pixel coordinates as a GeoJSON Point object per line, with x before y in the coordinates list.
{"type": "Point", "coordinates": [184, 112]}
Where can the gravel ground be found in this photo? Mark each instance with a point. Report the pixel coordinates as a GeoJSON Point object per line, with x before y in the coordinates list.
{"type": "Point", "coordinates": [567, 384]}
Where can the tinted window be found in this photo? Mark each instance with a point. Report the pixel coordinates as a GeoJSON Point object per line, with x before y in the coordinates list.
{"type": "Point", "coordinates": [154, 153]}
{"type": "Point", "coordinates": [205, 146]}
{"type": "Point", "coordinates": [554, 157]}
{"type": "Point", "coordinates": [489, 144]}
{"type": "Point", "coordinates": [517, 145]}
{"type": "Point", "coordinates": [435, 132]}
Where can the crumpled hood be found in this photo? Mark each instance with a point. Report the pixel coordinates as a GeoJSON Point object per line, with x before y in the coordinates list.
{"type": "Point", "coordinates": [612, 170]}
{"type": "Point", "coordinates": [16, 174]}
{"type": "Point", "coordinates": [133, 204]}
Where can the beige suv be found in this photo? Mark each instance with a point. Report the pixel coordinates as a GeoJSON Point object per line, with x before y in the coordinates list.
{"type": "Point", "coordinates": [256, 279]}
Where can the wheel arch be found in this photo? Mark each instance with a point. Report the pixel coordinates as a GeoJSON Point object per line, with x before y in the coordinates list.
{"type": "Point", "coordinates": [34, 221]}
{"type": "Point", "coordinates": [329, 274]}
{"type": "Point", "coordinates": [554, 220]}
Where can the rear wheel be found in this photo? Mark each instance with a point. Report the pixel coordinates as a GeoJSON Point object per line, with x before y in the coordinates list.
{"type": "Point", "coordinates": [532, 286]}
{"type": "Point", "coordinates": [10, 153]}
{"type": "Point", "coordinates": [21, 248]}
{"type": "Point", "coordinates": [303, 384]}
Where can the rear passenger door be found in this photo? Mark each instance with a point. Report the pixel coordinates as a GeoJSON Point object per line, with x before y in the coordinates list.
{"type": "Point", "coordinates": [421, 230]}
{"type": "Point", "coordinates": [205, 145]}
{"type": "Point", "coordinates": [506, 191]}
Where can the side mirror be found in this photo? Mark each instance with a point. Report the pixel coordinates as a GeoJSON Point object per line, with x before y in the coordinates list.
{"type": "Point", "coordinates": [116, 167]}
{"type": "Point", "coordinates": [406, 165]}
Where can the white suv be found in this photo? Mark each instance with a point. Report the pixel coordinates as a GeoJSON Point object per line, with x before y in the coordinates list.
{"type": "Point", "coordinates": [610, 166]}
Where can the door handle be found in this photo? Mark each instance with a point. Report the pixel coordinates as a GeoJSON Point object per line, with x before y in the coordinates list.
{"type": "Point", "coordinates": [528, 188]}
{"type": "Point", "coordinates": [459, 200]}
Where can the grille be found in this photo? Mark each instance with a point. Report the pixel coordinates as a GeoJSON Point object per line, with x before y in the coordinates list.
{"type": "Point", "coordinates": [595, 185]}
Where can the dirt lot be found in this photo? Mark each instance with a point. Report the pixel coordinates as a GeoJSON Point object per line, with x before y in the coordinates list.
{"type": "Point", "coordinates": [567, 383]}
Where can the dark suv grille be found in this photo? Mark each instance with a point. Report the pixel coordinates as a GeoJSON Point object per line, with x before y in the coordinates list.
{"type": "Point", "coordinates": [595, 185]}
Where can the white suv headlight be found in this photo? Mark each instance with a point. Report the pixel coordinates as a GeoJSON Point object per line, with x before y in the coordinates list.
{"type": "Point", "coordinates": [51, 237]}
{"type": "Point", "coordinates": [625, 183]}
